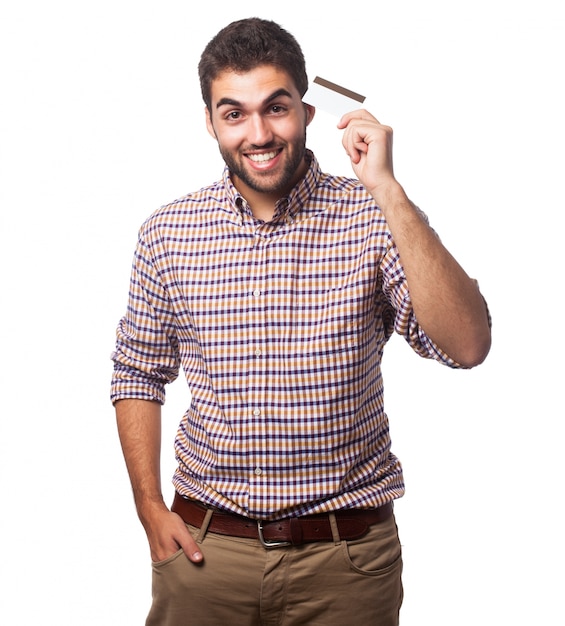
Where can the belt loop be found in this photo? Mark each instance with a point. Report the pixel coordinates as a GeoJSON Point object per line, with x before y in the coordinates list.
{"type": "Point", "coordinates": [335, 529]}
{"type": "Point", "coordinates": [204, 527]}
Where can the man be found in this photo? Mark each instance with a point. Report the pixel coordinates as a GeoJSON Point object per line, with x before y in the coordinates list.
{"type": "Point", "coordinates": [276, 289]}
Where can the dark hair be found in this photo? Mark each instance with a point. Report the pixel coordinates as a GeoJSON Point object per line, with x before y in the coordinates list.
{"type": "Point", "coordinates": [246, 44]}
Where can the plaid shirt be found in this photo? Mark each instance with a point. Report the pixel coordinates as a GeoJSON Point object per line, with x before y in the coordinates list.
{"type": "Point", "coordinates": [279, 328]}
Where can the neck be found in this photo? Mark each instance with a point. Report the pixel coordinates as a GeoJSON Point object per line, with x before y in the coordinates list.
{"type": "Point", "coordinates": [262, 203]}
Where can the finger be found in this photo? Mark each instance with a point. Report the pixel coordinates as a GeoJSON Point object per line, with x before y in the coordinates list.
{"type": "Point", "coordinates": [356, 152]}
{"type": "Point", "coordinates": [353, 141]}
{"type": "Point", "coordinates": [359, 114]}
{"type": "Point", "coordinates": [189, 546]}
{"type": "Point", "coordinates": [193, 552]}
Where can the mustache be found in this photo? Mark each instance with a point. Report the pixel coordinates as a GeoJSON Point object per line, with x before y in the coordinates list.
{"type": "Point", "coordinates": [271, 145]}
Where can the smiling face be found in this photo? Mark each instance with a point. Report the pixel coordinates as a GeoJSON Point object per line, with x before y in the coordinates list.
{"type": "Point", "coordinates": [259, 121]}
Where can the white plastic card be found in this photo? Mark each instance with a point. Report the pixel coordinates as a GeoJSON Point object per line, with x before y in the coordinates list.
{"type": "Point", "coordinates": [332, 98]}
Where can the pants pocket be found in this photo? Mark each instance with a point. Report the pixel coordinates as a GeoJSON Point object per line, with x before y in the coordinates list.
{"type": "Point", "coordinates": [377, 553]}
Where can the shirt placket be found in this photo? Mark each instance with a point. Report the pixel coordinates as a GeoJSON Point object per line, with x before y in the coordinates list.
{"type": "Point", "coordinates": [258, 384]}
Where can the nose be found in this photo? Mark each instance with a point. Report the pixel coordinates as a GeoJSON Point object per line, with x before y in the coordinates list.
{"type": "Point", "coordinates": [260, 131]}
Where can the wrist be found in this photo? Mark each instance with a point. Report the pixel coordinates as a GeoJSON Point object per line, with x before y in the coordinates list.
{"type": "Point", "coordinates": [389, 194]}
{"type": "Point", "coordinates": [150, 507]}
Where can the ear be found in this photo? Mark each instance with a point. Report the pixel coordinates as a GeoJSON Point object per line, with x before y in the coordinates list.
{"type": "Point", "coordinates": [209, 125]}
{"type": "Point", "coordinates": [310, 112]}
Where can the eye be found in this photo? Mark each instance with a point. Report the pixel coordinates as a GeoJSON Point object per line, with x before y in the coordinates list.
{"type": "Point", "coordinates": [278, 108]}
{"type": "Point", "coordinates": [233, 115]}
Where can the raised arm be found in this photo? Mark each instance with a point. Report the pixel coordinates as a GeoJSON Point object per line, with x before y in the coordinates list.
{"type": "Point", "coordinates": [447, 302]}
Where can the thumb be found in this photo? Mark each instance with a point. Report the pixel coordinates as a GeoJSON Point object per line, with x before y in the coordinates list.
{"type": "Point", "coordinates": [189, 546]}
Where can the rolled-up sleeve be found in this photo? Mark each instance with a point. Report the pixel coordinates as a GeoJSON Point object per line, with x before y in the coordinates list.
{"type": "Point", "coordinates": [395, 289]}
{"type": "Point", "coordinates": [146, 354]}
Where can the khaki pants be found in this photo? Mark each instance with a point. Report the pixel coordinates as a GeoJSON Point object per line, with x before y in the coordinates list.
{"type": "Point", "coordinates": [240, 583]}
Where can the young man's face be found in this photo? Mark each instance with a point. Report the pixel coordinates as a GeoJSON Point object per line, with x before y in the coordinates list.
{"type": "Point", "coordinates": [259, 121]}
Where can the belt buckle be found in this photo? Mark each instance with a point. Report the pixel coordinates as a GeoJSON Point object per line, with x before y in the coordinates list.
{"type": "Point", "coordinates": [269, 545]}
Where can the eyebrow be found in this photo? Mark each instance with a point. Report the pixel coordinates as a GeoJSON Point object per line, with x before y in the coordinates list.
{"type": "Point", "coordinates": [231, 102]}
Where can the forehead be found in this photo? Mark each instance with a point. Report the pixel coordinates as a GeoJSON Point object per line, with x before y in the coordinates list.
{"type": "Point", "coordinates": [254, 86]}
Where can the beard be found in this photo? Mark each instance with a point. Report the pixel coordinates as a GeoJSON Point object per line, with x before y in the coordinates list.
{"type": "Point", "coordinates": [267, 182]}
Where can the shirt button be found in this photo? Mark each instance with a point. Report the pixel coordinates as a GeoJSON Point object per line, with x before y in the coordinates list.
{"type": "Point", "coordinates": [257, 293]}
{"type": "Point", "coordinates": [256, 412]}
{"type": "Point", "coordinates": [258, 352]}
{"type": "Point", "coordinates": [257, 471]}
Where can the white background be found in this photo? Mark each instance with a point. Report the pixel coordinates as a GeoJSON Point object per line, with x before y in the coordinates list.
{"type": "Point", "coordinates": [102, 122]}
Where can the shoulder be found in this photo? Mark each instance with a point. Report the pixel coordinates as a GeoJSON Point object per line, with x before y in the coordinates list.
{"type": "Point", "coordinates": [347, 195]}
{"type": "Point", "coordinates": [190, 208]}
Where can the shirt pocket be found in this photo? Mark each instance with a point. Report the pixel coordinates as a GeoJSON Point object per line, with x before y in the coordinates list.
{"type": "Point", "coordinates": [339, 320]}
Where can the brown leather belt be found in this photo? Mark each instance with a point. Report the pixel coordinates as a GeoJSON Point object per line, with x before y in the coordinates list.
{"type": "Point", "coordinates": [292, 531]}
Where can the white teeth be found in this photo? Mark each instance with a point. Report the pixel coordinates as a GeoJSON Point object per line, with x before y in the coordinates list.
{"type": "Point", "coordinates": [258, 158]}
